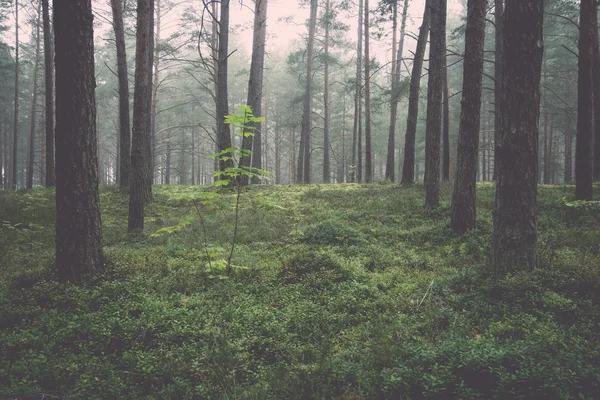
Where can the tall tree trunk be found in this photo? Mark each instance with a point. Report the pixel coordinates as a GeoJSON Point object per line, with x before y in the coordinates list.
{"type": "Point", "coordinates": [408, 169]}
{"type": "Point", "coordinates": [437, 56]}
{"type": "Point", "coordinates": [498, 76]}
{"type": "Point", "coordinates": [355, 169]}
{"type": "Point", "coordinates": [78, 226]}
{"type": "Point", "coordinates": [155, 85]}
{"type": "Point", "coordinates": [514, 238]}
{"type": "Point", "coordinates": [142, 120]}
{"type": "Point", "coordinates": [2, 157]}
{"type": "Point", "coordinates": [255, 88]}
{"type": "Point", "coordinates": [223, 131]}
{"type": "Point", "coordinates": [584, 152]}
{"type": "Point", "coordinates": [307, 110]}
{"type": "Point", "coordinates": [16, 109]}
{"type": "Point", "coordinates": [368, 144]}
{"type": "Point", "coordinates": [463, 217]}
{"type": "Point", "coordinates": [326, 100]}
{"type": "Point", "coordinates": [446, 128]}
{"type": "Point", "coordinates": [596, 93]}
{"type": "Point", "coordinates": [390, 166]}
{"type": "Point", "coordinates": [49, 95]}
{"type": "Point", "coordinates": [124, 121]}
{"type": "Point", "coordinates": [31, 160]}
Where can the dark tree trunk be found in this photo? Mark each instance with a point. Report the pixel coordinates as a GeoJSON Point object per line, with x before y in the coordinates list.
{"type": "Point", "coordinates": [446, 129]}
{"type": "Point", "coordinates": [78, 225]}
{"type": "Point", "coordinates": [437, 56]}
{"type": "Point", "coordinates": [368, 145]}
{"type": "Point", "coordinates": [584, 151]}
{"type": "Point", "coordinates": [596, 93]}
{"type": "Point", "coordinates": [306, 113]}
{"type": "Point", "coordinates": [142, 108]}
{"type": "Point", "coordinates": [16, 109]}
{"type": "Point", "coordinates": [355, 169]}
{"type": "Point", "coordinates": [390, 167]}
{"type": "Point", "coordinates": [255, 88]}
{"type": "Point", "coordinates": [31, 159]}
{"type": "Point", "coordinates": [326, 100]}
{"type": "Point", "coordinates": [124, 122]}
{"type": "Point", "coordinates": [223, 131]}
{"type": "Point", "coordinates": [408, 169]}
{"type": "Point", "coordinates": [498, 76]}
{"type": "Point", "coordinates": [463, 199]}
{"type": "Point", "coordinates": [514, 239]}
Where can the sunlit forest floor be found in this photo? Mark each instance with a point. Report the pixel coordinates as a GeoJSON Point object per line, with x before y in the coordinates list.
{"type": "Point", "coordinates": [337, 291]}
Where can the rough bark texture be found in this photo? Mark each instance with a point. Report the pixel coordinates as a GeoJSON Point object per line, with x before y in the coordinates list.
{"type": "Point", "coordinates": [514, 239]}
{"type": "Point", "coordinates": [463, 198]}
{"type": "Point", "coordinates": [78, 226]}
{"type": "Point", "coordinates": [255, 88]}
{"type": "Point", "coordinates": [408, 169]}
{"type": "Point", "coordinates": [357, 98]}
{"type": "Point", "coordinates": [16, 102]}
{"type": "Point", "coordinates": [142, 104]}
{"type": "Point", "coordinates": [223, 131]}
{"type": "Point", "coordinates": [31, 159]}
{"type": "Point", "coordinates": [437, 57]}
{"type": "Point", "coordinates": [596, 94]}
{"type": "Point", "coordinates": [306, 113]}
{"type": "Point", "coordinates": [584, 151]}
{"type": "Point", "coordinates": [368, 144]}
{"type": "Point", "coordinates": [498, 75]}
{"type": "Point", "coordinates": [391, 148]}
{"type": "Point", "coordinates": [124, 120]}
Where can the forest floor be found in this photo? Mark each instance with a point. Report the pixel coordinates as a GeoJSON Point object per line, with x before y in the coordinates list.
{"type": "Point", "coordinates": [337, 291]}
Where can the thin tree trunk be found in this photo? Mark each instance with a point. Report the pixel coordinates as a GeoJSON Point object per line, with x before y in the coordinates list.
{"type": "Point", "coordinates": [223, 131]}
{"type": "Point", "coordinates": [390, 166]}
{"type": "Point", "coordinates": [584, 153]}
{"type": "Point", "coordinates": [463, 217]}
{"type": "Point", "coordinates": [498, 76]}
{"type": "Point", "coordinates": [78, 226]}
{"type": "Point", "coordinates": [484, 144]}
{"type": "Point", "coordinates": [355, 169]}
{"type": "Point", "coordinates": [437, 56]}
{"type": "Point", "coordinates": [124, 118]}
{"type": "Point", "coordinates": [408, 169]}
{"type": "Point", "coordinates": [514, 238]}
{"type": "Point", "coordinates": [16, 109]}
{"type": "Point", "coordinates": [326, 100]}
{"type": "Point", "coordinates": [31, 160]}
{"type": "Point", "coordinates": [49, 95]}
{"type": "Point", "coordinates": [306, 113]}
{"type": "Point", "coordinates": [446, 128]}
{"type": "Point", "coordinates": [368, 144]}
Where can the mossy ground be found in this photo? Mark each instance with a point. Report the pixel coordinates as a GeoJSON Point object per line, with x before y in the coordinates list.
{"type": "Point", "coordinates": [339, 291]}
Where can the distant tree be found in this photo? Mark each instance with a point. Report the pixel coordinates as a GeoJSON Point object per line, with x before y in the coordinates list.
{"type": "Point", "coordinates": [16, 102]}
{"type": "Point", "coordinates": [408, 169]}
{"type": "Point", "coordinates": [33, 121]}
{"type": "Point", "coordinates": [498, 74]}
{"type": "Point", "coordinates": [368, 122]}
{"type": "Point", "coordinates": [78, 227]}
{"type": "Point", "coordinates": [326, 97]}
{"type": "Point", "coordinates": [463, 199]}
{"type": "Point", "coordinates": [584, 151]}
{"type": "Point", "coordinates": [356, 171]}
{"type": "Point", "coordinates": [514, 238]}
{"type": "Point", "coordinates": [124, 121]}
{"type": "Point", "coordinates": [49, 95]}
{"type": "Point", "coordinates": [437, 56]}
{"type": "Point", "coordinates": [142, 106]}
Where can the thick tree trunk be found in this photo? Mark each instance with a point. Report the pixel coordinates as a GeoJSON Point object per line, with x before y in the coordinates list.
{"type": "Point", "coordinates": [16, 102]}
{"type": "Point", "coordinates": [124, 121]}
{"type": "Point", "coordinates": [408, 169]}
{"type": "Point", "coordinates": [390, 166]}
{"type": "Point", "coordinates": [255, 88]}
{"type": "Point", "coordinates": [368, 139]}
{"type": "Point", "coordinates": [78, 226]}
{"type": "Point", "coordinates": [142, 107]}
{"type": "Point", "coordinates": [498, 76]}
{"type": "Point", "coordinates": [514, 239]}
{"type": "Point", "coordinates": [307, 110]}
{"type": "Point", "coordinates": [463, 199]}
{"type": "Point", "coordinates": [596, 93]}
{"type": "Point", "coordinates": [326, 100]}
{"type": "Point", "coordinates": [355, 169]}
{"type": "Point", "coordinates": [31, 159]}
{"type": "Point", "coordinates": [584, 152]}
{"type": "Point", "coordinates": [223, 131]}
{"type": "Point", "coordinates": [437, 56]}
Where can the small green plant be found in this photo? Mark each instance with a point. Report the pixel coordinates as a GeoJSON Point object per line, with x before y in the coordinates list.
{"type": "Point", "coordinates": [235, 177]}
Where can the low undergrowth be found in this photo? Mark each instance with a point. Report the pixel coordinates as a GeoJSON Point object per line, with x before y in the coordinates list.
{"type": "Point", "coordinates": [342, 291]}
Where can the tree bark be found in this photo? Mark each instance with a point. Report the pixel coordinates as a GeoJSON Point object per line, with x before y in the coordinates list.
{"type": "Point", "coordinates": [446, 128]}
{"type": "Point", "coordinates": [78, 226]}
{"type": "Point", "coordinates": [155, 84]}
{"type": "Point", "coordinates": [31, 159]}
{"type": "Point", "coordinates": [498, 75]}
{"type": "Point", "coordinates": [223, 131]}
{"type": "Point", "coordinates": [408, 169]}
{"type": "Point", "coordinates": [584, 151]}
{"type": "Point", "coordinates": [596, 93]}
{"type": "Point", "coordinates": [514, 238]}
{"type": "Point", "coordinates": [142, 107]}
{"type": "Point", "coordinates": [437, 56]}
{"type": "Point", "coordinates": [124, 118]}
{"type": "Point", "coordinates": [368, 139]}
{"type": "Point", "coordinates": [355, 169]}
{"type": "Point", "coordinates": [463, 216]}
{"type": "Point", "coordinates": [49, 95]}
{"type": "Point", "coordinates": [16, 109]}
{"type": "Point", "coordinates": [326, 99]}
{"type": "Point", "coordinates": [391, 147]}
